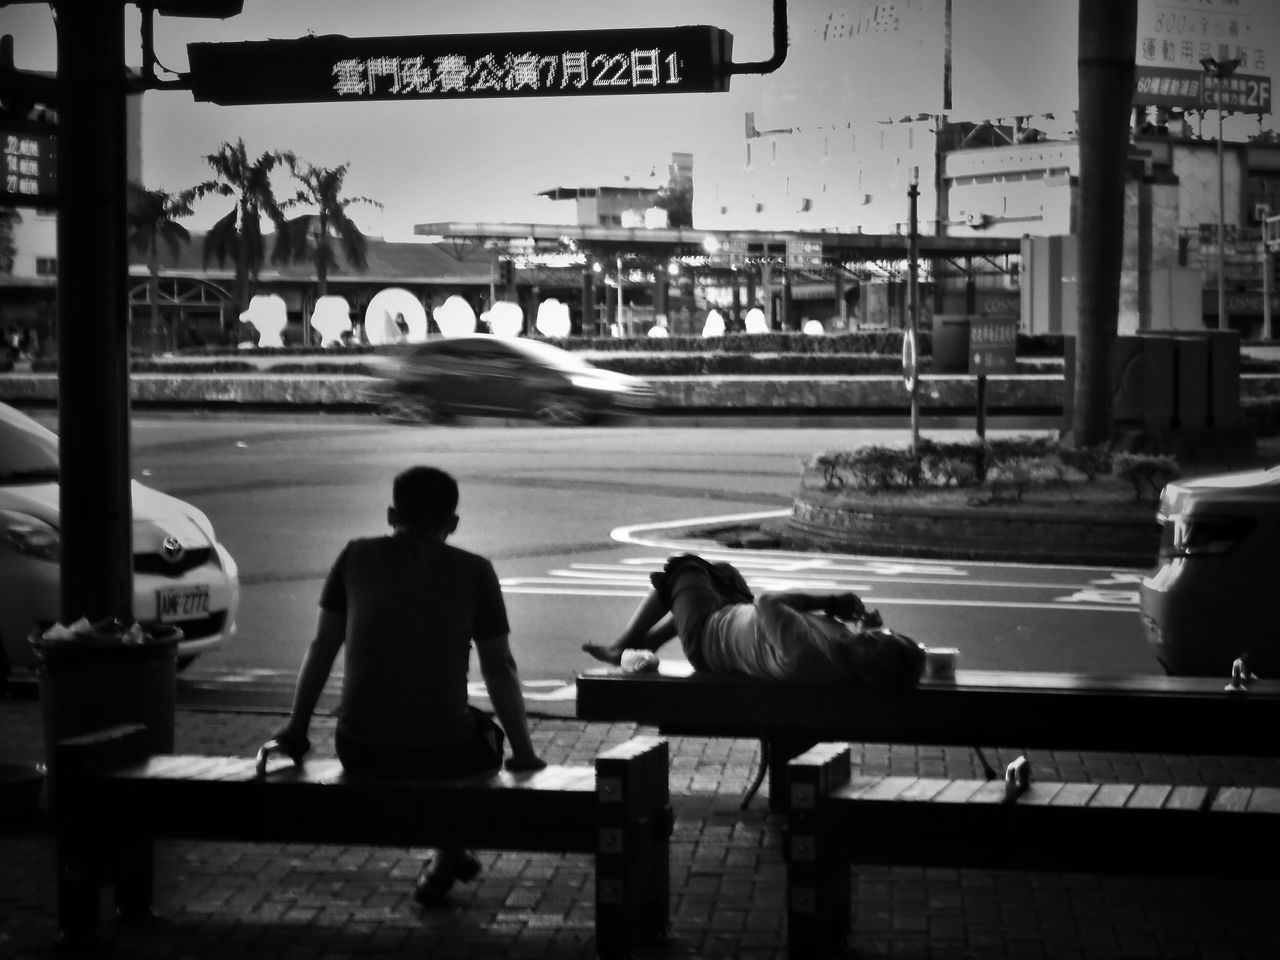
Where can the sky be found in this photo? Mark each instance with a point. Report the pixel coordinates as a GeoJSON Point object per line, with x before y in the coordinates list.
{"type": "Point", "coordinates": [471, 160]}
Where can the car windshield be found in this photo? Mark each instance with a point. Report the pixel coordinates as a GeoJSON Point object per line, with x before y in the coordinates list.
{"type": "Point", "coordinates": [551, 356]}
{"type": "Point", "coordinates": [28, 451]}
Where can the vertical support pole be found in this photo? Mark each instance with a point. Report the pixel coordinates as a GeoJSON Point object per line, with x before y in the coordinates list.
{"type": "Point", "coordinates": [913, 295]}
{"type": "Point", "coordinates": [982, 406]}
{"type": "Point", "coordinates": [819, 889]}
{"type": "Point", "coordinates": [780, 750]}
{"type": "Point", "coordinates": [632, 818]}
{"type": "Point", "coordinates": [589, 327]}
{"type": "Point", "coordinates": [93, 336]}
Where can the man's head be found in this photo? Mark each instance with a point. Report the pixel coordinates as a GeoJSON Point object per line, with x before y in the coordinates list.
{"type": "Point", "coordinates": [424, 500]}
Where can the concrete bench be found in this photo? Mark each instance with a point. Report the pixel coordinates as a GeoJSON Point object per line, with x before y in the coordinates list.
{"type": "Point", "coordinates": [836, 819]}
{"type": "Point", "coordinates": [113, 800]}
{"type": "Point", "coordinates": [1052, 711]}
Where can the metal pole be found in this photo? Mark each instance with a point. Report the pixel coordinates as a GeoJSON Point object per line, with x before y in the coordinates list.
{"type": "Point", "coordinates": [93, 336]}
{"type": "Point", "coordinates": [913, 301]}
{"type": "Point", "coordinates": [1222, 229]}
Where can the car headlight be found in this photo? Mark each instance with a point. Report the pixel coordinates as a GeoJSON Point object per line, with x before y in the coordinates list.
{"type": "Point", "coordinates": [29, 536]}
{"type": "Point", "coordinates": [584, 382]}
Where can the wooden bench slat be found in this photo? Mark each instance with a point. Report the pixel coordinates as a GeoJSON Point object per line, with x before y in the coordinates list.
{"type": "Point", "coordinates": [926, 788]}
{"type": "Point", "coordinates": [1232, 798]}
{"type": "Point", "coordinates": [1074, 795]}
{"type": "Point", "coordinates": [888, 788]}
{"type": "Point", "coordinates": [1040, 793]}
{"type": "Point", "coordinates": [991, 791]}
{"type": "Point", "coordinates": [1265, 800]}
{"type": "Point", "coordinates": [1112, 795]}
{"type": "Point", "coordinates": [857, 787]}
{"type": "Point", "coordinates": [1149, 796]}
{"type": "Point", "coordinates": [1187, 798]}
{"type": "Point", "coordinates": [959, 791]}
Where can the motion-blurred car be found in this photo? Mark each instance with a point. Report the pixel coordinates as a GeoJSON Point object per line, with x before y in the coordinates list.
{"type": "Point", "coordinates": [506, 376]}
{"type": "Point", "coordinates": [182, 575]}
{"type": "Point", "coordinates": [1209, 599]}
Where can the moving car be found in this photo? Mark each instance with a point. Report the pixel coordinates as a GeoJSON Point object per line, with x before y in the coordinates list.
{"type": "Point", "coordinates": [1209, 599]}
{"type": "Point", "coordinates": [182, 575]}
{"type": "Point", "coordinates": [506, 376]}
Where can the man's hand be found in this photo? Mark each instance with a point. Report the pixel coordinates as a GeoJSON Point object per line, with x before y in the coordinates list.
{"type": "Point", "coordinates": [529, 764]}
{"type": "Point", "coordinates": [845, 606]}
{"type": "Point", "coordinates": [293, 742]}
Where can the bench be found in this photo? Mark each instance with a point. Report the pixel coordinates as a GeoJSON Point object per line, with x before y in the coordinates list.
{"type": "Point", "coordinates": [1052, 711]}
{"type": "Point", "coordinates": [113, 800]}
{"type": "Point", "coordinates": [836, 819]}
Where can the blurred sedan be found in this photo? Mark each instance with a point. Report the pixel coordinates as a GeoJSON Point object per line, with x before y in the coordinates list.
{"type": "Point", "coordinates": [505, 376]}
{"type": "Point", "coordinates": [182, 575]}
{"type": "Point", "coordinates": [1209, 599]}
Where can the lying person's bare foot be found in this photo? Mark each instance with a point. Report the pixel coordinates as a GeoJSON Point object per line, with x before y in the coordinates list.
{"type": "Point", "coordinates": [604, 653]}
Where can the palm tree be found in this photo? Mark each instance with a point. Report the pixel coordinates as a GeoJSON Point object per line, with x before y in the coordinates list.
{"type": "Point", "coordinates": [1107, 41]}
{"type": "Point", "coordinates": [9, 220]}
{"type": "Point", "coordinates": [152, 220]}
{"type": "Point", "coordinates": [308, 237]}
{"type": "Point", "coordinates": [238, 235]}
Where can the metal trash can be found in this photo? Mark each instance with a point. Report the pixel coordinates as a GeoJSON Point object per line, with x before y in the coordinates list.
{"type": "Point", "coordinates": [97, 682]}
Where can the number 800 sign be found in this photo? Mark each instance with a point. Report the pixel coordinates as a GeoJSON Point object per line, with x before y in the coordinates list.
{"type": "Point", "coordinates": [689, 59]}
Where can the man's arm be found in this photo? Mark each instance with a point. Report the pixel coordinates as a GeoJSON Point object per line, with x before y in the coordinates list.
{"type": "Point", "coordinates": [312, 675]}
{"type": "Point", "coordinates": [498, 667]}
{"type": "Point", "coordinates": [846, 606]}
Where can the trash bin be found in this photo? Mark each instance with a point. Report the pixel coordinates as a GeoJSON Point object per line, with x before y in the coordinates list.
{"type": "Point", "coordinates": [95, 682]}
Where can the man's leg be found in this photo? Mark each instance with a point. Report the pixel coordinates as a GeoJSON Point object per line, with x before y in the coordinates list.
{"type": "Point", "coordinates": [651, 626]}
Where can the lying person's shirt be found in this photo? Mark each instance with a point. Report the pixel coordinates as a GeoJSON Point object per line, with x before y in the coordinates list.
{"type": "Point", "coordinates": [771, 641]}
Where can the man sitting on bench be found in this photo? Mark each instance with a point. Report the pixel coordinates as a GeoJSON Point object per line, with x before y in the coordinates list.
{"type": "Point", "coordinates": [791, 635]}
{"type": "Point", "coordinates": [408, 607]}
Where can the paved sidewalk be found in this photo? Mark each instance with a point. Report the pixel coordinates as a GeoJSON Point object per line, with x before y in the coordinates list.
{"type": "Point", "coordinates": [298, 902]}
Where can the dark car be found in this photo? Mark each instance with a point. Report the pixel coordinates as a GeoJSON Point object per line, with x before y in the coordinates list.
{"type": "Point", "coordinates": [505, 376]}
{"type": "Point", "coordinates": [1209, 599]}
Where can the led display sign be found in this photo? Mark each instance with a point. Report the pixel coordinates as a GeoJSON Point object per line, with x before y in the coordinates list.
{"type": "Point", "coordinates": [688, 59]}
{"type": "Point", "coordinates": [30, 165]}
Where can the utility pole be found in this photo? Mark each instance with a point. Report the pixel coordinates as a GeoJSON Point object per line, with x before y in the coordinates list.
{"type": "Point", "coordinates": [913, 301]}
{"type": "Point", "coordinates": [1220, 70]}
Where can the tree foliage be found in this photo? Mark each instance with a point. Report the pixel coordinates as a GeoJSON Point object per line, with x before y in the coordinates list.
{"type": "Point", "coordinates": [238, 236]}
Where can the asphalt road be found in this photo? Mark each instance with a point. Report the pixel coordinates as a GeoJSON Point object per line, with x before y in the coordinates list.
{"type": "Point", "coordinates": [574, 519]}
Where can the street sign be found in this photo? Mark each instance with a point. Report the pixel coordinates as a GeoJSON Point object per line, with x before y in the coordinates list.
{"type": "Point", "coordinates": [993, 345]}
{"type": "Point", "coordinates": [804, 254]}
{"type": "Point", "coordinates": [687, 59]}
{"type": "Point", "coordinates": [30, 164]}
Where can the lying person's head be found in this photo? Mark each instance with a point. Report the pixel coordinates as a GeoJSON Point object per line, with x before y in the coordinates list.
{"type": "Point", "coordinates": [878, 657]}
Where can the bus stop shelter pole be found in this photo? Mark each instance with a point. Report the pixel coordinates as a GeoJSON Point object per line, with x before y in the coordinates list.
{"type": "Point", "coordinates": [93, 335]}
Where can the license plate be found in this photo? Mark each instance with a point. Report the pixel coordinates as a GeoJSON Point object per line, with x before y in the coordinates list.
{"type": "Point", "coordinates": [182, 603]}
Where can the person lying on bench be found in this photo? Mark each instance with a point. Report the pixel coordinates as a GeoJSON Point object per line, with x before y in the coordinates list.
{"type": "Point", "coordinates": [408, 607]}
{"type": "Point", "coordinates": [790, 635]}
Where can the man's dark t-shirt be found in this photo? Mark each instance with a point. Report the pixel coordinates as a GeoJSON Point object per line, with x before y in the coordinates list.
{"type": "Point", "coordinates": [412, 609]}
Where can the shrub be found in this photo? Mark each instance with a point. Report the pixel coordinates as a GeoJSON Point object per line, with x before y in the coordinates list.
{"type": "Point", "coordinates": [1146, 472]}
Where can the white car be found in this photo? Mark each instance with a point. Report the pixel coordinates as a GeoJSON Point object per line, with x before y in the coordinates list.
{"type": "Point", "coordinates": [181, 574]}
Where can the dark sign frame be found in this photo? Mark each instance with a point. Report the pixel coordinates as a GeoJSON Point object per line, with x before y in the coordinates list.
{"type": "Point", "coordinates": [686, 59]}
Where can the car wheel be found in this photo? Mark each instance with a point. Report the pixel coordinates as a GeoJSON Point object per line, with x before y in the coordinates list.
{"type": "Point", "coordinates": [561, 410]}
{"type": "Point", "coordinates": [408, 410]}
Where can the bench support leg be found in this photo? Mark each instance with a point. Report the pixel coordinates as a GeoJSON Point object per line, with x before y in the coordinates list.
{"type": "Point", "coordinates": [819, 888]}
{"type": "Point", "coordinates": [632, 863]}
{"type": "Point", "coordinates": [135, 879]}
{"type": "Point", "coordinates": [780, 750]}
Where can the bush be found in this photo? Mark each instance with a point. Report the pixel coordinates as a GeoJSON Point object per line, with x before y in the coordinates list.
{"type": "Point", "coordinates": [1263, 413]}
{"type": "Point", "coordinates": [1015, 464]}
{"type": "Point", "coordinates": [1146, 472]}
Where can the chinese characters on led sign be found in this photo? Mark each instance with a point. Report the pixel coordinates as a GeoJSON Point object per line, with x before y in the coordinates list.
{"type": "Point", "coordinates": [30, 167]}
{"type": "Point", "coordinates": [315, 69]}
{"type": "Point", "coordinates": [577, 70]}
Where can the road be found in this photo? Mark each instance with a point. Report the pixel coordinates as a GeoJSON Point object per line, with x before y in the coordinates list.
{"type": "Point", "coordinates": [574, 519]}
